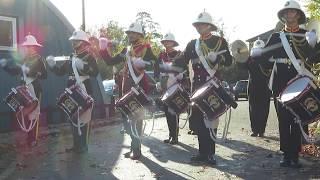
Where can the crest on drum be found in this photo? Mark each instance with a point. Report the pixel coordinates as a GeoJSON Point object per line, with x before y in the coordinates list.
{"type": "Point", "coordinates": [311, 104]}
{"type": "Point", "coordinates": [179, 102]}
{"type": "Point", "coordinates": [134, 107]}
{"type": "Point", "coordinates": [213, 101]}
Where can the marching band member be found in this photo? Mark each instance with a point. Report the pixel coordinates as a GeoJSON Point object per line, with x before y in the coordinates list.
{"type": "Point", "coordinates": [258, 93]}
{"type": "Point", "coordinates": [300, 43]}
{"type": "Point", "coordinates": [31, 70]}
{"type": "Point", "coordinates": [139, 53]}
{"type": "Point", "coordinates": [209, 44]}
{"type": "Point", "coordinates": [86, 66]}
{"type": "Point", "coordinates": [166, 57]}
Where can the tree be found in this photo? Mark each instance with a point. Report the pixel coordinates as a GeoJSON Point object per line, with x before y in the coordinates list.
{"type": "Point", "coordinates": [113, 32]}
{"type": "Point", "coordinates": [313, 7]}
{"type": "Point", "coordinates": [150, 29]}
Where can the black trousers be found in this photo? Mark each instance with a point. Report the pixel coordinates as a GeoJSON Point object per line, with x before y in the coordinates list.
{"type": "Point", "coordinates": [172, 123]}
{"type": "Point", "coordinates": [290, 134]}
{"type": "Point", "coordinates": [259, 105]}
{"type": "Point", "coordinates": [33, 134]}
{"type": "Point", "coordinates": [206, 144]}
{"type": "Point", "coordinates": [80, 142]}
{"type": "Point", "coordinates": [192, 121]}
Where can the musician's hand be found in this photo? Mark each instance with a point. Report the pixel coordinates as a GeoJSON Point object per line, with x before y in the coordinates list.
{"type": "Point", "coordinates": [51, 62]}
{"type": "Point", "coordinates": [103, 43]}
{"type": "Point", "coordinates": [139, 64]}
{"type": "Point", "coordinates": [179, 76]}
{"type": "Point", "coordinates": [25, 69]}
{"type": "Point", "coordinates": [79, 64]}
{"type": "Point", "coordinates": [311, 37]}
{"type": "Point", "coordinates": [165, 66]}
{"type": "Point", "coordinates": [3, 62]}
{"type": "Point", "coordinates": [158, 87]}
{"type": "Point", "coordinates": [212, 56]}
{"type": "Point", "coordinates": [256, 52]}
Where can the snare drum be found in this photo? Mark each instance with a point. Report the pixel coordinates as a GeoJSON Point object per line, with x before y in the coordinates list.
{"type": "Point", "coordinates": [20, 99]}
{"type": "Point", "coordinates": [73, 99]}
{"type": "Point", "coordinates": [176, 98]}
{"type": "Point", "coordinates": [133, 102]}
{"type": "Point", "coordinates": [212, 99]}
{"type": "Point", "coordinates": [302, 98]}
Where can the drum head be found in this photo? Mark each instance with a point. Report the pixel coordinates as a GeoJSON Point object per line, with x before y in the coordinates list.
{"type": "Point", "coordinates": [170, 91]}
{"type": "Point", "coordinates": [294, 89]}
{"type": "Point", "coordinates": [201, 90]}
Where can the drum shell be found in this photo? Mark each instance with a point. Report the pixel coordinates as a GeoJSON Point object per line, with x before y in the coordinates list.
{"type": "Point", "coordinates": [133, 104]}
{"type": "Point", "coordinates": [178, 100]}
{"type": "Point", "coordinates": [70, 102]}
{"type": "Point", "coordinates": [22, 100]}
{"type": "Point", "coordinates": [306, 105]}
{"type": "Point", "coordinates": [210, 102]}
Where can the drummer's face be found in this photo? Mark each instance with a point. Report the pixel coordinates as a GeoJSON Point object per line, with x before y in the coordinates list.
{"type": "Point", "coordinates": [202, 28]}
{"type": "Point", "coordinates": [291, 16]}
{"type": "Point", "coordinates": [168, 44]}
{"type": "Point", "coordinates": [30, 50]}
{"type": "Point", "coordinates": [133, 37]}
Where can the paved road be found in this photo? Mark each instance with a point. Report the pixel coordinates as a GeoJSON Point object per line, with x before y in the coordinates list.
{"type": "Point", "coordinates": [240, 157]}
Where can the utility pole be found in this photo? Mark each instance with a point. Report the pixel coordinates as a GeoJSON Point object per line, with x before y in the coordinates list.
{"type": "Point", "coordinates": [83, 27]}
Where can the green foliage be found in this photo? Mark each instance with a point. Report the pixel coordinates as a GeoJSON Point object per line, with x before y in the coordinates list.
{"type": "Point", "coordinates": [313, 7]}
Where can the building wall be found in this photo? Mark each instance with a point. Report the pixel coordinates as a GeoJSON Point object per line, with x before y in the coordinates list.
{"type": "Point", "coordinates": [41, 19]}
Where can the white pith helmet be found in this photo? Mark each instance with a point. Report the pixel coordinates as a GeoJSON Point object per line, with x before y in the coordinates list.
{"type": "Point", "coordinates": [30, 40]}
{"type": "Point", "coordinates": [170, 37]}
{"type": "Point", "coordinates": [291, 4]}
{"type": "Point", "coordinates": [135, 27]}
{"type": "Point", "coordinates": [206, 18]}
{"type": "Point", "coordinates": [258, 43]}
{"type": "Point", "coordinates": [79, 35]}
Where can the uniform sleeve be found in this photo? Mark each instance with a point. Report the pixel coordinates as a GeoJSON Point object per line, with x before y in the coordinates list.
{"type": "Point", "coordinates": [182, 60]}
{"type": "Point", "coordinates": [39, 70]}
{"type": "Point", "coordinates": [154, 63]}
{"type": "Point", "coordinates": [225, 59]}
{"type": "Point", "coordinates": [91, 67]}
{"type": "Point", "coordinates": [109, 60]}
{"type": "Point", "coordinates": [12, 68]}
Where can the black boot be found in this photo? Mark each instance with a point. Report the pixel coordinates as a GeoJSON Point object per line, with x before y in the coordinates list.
{"type": "Point", "coordinates": [174, 141]}
{"type": "Point", "coordinates": [285, 162]}
{"type": "Point", "coordinates": [254, 134]}
{"type": "Point", "coordinates": [211, 160]}
{"type": "Point", "coordinates": [167, 140]}
{"type": "Point", "coordinates": [135, 155]}
{"type": "Point", "coordinates": [295, 163]}
{"type": "Point", "coordinates": [198, 158]}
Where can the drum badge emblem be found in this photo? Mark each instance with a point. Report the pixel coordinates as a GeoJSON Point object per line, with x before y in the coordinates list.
{"type": "Point", "coordinates": [311, 104]}
{"type": "Point", "coordinates": [213, 101]}
{"type": "Point", "coordinates": [178, 101]}
{"type": "Point", "coordinates": [69, 104]}
{"type": "Point", "coordinates": [134, 107]}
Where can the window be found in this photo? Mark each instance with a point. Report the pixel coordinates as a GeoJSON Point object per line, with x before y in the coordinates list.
{"type": "Point", "coordinates": [8, 33]}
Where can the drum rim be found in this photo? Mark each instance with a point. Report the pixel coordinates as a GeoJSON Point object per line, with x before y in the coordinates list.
{"type": "Point", "coordinates": [288, 84]}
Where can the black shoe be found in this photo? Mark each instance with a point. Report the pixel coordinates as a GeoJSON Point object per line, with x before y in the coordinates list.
{"type": "Point", "coordinates": [211, 160]}
{"type": "Point", "coordinates": [167, 140]}
{"type": "Point", "coordinates": [135, 155]}
{"type": "Point", "coordinates": [254, 135]}
{"type": "Point", "coordinates": [285, 162]}
{"type": "Point", "coordinates": [174, 141]}
{"type": "Point", "coordinates": [261, 134]}
{"type": "Point", "coordinates": [295, 164]}
{"type": "Point", "coordinates": [198, 158]}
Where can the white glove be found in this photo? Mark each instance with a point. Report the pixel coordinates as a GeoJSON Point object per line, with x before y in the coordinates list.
{"type": "Point", "coordinates": [25, 69]}
{"type": "Point", "coordinates": [179, 76]}
{"type": "Point", "coordinates": [79, 64]}
{"type": "Point", "coordinates": [212, 56]}
{"type": "Point", "coordinates": [256, 52]}
{"type": "Point", "coordinates": [311, 37]}
{"type": "Point", "coordinates": [139, 63]}
{"type": "Point", "coordinates": [3, 62]}
{"type": "Point", "coordinates": [103, 43]}
{"type": "Point", "coordinates": [158, 86]}
{"type": "Point", "coordinates": [51, 62]}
